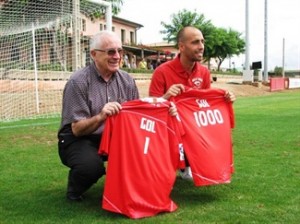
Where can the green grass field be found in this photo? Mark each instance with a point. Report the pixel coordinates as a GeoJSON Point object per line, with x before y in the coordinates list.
{"type": "Point", "coordinates": [265, 187]}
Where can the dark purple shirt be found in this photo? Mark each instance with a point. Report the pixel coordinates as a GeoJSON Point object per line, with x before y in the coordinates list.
{"type": "Point", "coordinates": [86, 92]}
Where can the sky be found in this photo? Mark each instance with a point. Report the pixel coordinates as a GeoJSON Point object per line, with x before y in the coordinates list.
{"type": "Point", "coordinates": [283, 27]}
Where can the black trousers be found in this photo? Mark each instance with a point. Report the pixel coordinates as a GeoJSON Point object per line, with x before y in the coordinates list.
{"type": "Point", "coordinates": [81, 156]}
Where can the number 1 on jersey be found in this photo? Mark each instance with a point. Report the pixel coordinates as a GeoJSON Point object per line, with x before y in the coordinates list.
{"type": "Point", "coordinates": [146, 146]}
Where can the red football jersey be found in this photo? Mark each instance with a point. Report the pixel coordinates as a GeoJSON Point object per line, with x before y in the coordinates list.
{"type": "Point", "coordinates": [207, 119]}
{"type": "Point", "coordinates": [143, 156]}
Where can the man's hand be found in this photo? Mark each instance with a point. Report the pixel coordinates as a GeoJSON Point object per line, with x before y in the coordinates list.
{"type": "Point", "coordinates": [109, 109]}
{"type": "Point", "coordinates": [174, 90]}
{"type": "Point", "coordinates": [173, 110]}
{"type": "Point", "coordinates": [89, 125]}
{"type": "Point", "coordinates": [230, 97]}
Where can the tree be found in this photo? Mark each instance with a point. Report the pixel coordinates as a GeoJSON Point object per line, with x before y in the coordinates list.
{"type": "Point", "coordinates": [219, 42]}
{"type": "Point", "coordinates": [92, 9]}
{"type": "Point", "coordinates": [278, 71]}
{"type": "Point", "coordinates": [226, 43]}
{"type": "Point", "coordinates": [185, 18]}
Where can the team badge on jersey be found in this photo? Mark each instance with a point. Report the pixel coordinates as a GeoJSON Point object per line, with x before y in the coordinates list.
{"type": "Point", "coordinates": [197, 82]}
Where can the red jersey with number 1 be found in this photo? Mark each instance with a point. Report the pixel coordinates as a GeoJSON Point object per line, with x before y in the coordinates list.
{"type": "Point", "coordinates": [207, 119]}
{"type": "Point", "coordinates": [143, 156]}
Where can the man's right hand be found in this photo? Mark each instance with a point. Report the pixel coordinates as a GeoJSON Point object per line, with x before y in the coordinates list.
{"type": "Point", "coordinates": [89, 125]}
{"type": "Point", "coordinates": [174, 90]}
{"type": "Point", "coordinates": [110, 109]}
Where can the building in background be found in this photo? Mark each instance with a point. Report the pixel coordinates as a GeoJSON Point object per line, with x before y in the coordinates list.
{"type": "Point", "coordinates": [128, 31]}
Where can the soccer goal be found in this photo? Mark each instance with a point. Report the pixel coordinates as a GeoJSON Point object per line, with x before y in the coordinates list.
{"type": "Point", "coordinates": [41, 44]}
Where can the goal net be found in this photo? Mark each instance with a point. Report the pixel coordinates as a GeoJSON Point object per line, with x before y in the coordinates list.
{"type": "Point", "coordinates": [41, 44]}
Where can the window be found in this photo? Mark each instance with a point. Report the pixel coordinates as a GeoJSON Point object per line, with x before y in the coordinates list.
{"type": "Point", "coordinates": [132, 39]}
{"type": "Point", "coordinates": [83, 25]}
{"type": "Point", "coordinates": [123, 36]}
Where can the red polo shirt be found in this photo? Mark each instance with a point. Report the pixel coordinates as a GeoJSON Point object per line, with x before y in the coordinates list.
{"type": "Point", "coordinates": [172, 72]}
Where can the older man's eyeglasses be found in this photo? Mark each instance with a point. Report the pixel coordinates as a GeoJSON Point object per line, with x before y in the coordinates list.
{"type": "Point", "coordinates": [111, 51]}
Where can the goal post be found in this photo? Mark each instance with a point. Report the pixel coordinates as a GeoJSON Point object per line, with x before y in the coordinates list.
{"type": "Point", "coordinates": [40, 47]}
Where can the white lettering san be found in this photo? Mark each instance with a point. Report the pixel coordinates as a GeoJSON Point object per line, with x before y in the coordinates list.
{"type": "Point", "coordinates": [147, 125]}
{"type": "Point", "coordinates": [208, 117]}
{"type": "Point", "coordinates": [202, 103]}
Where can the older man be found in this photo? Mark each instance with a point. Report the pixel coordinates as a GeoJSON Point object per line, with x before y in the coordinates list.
{"type": "Point", "coordinates": [90, 96]}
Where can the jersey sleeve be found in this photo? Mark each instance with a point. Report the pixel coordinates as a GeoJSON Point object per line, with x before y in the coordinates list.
{"type": "Point", "coordinates": [157, 86]}
{"type": "Point", "coordinates": [106, 137]}
{"type": "Point", "coordinates": [231, 114]}
{"type": "Point", "coordinates": [179, 130]}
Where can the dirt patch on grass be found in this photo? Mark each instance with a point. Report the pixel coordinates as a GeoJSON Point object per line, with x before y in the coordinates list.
{"type": "Point", "coordinates": [243, 89]}
{"type": "Point", "coordinates": [18, 98]}
{"type": "Point", "coordinates": [234, 86]}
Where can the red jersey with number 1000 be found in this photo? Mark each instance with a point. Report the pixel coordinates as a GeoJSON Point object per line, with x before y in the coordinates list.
{"type": "Point", "coordinates": [207, 119]}
{"type": "Point", "coordinates": [143, 156]}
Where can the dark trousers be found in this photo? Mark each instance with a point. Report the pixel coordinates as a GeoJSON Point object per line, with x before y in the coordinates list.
{"type": "Point", "coordinates": [81, 156]}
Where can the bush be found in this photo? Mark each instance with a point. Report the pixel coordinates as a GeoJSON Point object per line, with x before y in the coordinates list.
{"type": "Point", "coordinates": [136, 70]}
